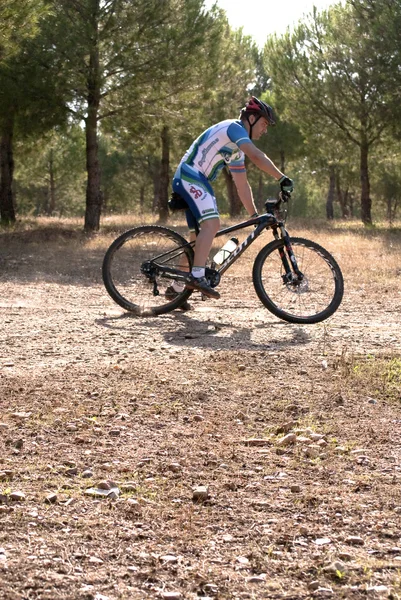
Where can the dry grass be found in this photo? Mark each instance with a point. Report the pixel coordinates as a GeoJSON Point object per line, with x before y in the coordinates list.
{"type": "Point", "coordinates": [160, 405]}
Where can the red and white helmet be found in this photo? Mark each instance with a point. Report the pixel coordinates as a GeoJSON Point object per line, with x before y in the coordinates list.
{"type": "Point", "coordinates": [259, 108]}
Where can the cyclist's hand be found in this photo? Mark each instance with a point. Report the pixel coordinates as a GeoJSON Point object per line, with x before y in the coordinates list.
{"type": "Point", "coordinates": [286, 184]}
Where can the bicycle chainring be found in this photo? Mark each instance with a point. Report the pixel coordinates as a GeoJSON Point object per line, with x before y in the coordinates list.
{"type": "Point", "coordinates": [213, 277]}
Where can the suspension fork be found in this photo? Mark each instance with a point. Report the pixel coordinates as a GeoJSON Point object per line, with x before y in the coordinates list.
{"type": "Point", "coordinates": [287, 243]}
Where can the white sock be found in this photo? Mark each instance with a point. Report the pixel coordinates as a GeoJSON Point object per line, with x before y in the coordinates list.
{"type": "Point", "coordinates": [178, 287]}
{"type": "Point", "coordinates": [198, 272]}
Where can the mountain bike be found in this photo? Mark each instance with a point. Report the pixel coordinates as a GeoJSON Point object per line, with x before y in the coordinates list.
{"type": "Point", "coordinates": [295, 279]}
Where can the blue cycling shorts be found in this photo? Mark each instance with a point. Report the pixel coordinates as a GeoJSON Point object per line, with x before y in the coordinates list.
{"type": "Point", "coordinates": [198, 193]}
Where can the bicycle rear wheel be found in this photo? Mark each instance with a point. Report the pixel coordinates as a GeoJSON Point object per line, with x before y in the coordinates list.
{"type": "Point", "coordinates": [310, 300]}
{"type": "Point", "coordinates": [127, 282]}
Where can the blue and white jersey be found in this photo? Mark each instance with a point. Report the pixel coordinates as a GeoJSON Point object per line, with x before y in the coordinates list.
{"type": "Point", "coordinates": [216, 147]}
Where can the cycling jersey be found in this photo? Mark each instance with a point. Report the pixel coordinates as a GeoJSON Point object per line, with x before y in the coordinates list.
{"type": "Point", "coordinates": [216, 147]}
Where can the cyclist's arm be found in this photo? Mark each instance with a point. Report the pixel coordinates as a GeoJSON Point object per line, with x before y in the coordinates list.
{"type": "Point", "coordinates": [260, 159]}
{"type": "Point", "coordinates": [244, 191]}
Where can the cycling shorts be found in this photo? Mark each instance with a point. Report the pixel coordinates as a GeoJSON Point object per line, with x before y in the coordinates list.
{"type": "Point", "coordinates": [198, 193]}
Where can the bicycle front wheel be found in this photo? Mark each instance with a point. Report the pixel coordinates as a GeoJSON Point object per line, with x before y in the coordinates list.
{"type": "Point", "coordinates": [132, 280]}
{"type": "Point", "coordinates": [310, 300]}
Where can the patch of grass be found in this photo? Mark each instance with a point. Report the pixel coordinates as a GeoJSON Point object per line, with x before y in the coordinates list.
{"type": "Point", "coordinates": [377, 376]}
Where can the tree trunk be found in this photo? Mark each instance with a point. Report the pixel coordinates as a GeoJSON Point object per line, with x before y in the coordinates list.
{"type": "Point", "coordinates": [156, 190]}
{"type": "Point", "coordinates": [52, 185]}
{"type": "Point", "coordinates": [142, 200]}
{"type": "Point", "coordinates": [93, 192]}
{"type": "Point", "coordinates": [164, 176]}
{"type": "Point", "coordinates": [330, 194]}
{"type": "Point", "coordinates": [366, 202]}
{"type": "Point", "coordinates": [351, 205]}
{"type": "Point", "coordinates": [7, 210]}
{"type": "Point", "coordinates": [341, 197]}
{"type": "Point", "coordinates": [233, 198]}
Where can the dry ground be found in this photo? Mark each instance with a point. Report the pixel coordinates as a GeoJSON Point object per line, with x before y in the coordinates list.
{"type": "Point", "coordinates": [161, 405]}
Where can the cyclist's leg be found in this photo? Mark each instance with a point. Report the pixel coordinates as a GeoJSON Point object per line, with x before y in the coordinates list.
{"type": "Point", "coordinates": [199, 195]}
{"type": "Point", "coordinates": [202, 210]}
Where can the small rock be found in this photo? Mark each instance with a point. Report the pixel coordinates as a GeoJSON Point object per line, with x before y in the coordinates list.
{"type": "Point", "coordinates": [175, 467]}
{"type": "Point", "coordinates": [51, 498]}
{"type": "Point", "coordinates": [359, 451]}
{"type": "Point", "coordinates": [339, 400]}
{"type": "Point", "coordinates": [113, 494]}
{"type": "Point", "coordinates": [354, 540]}
{"type": "Point", "coordinates": [17, 496]}
{"type": "Point", "coordinates": [288, 440]}
{"type": "Point", "coordinates": [345, 556]}
{"type": "Point", "coordinates": [4, 426]}
{"type": "Point", "coordinates": [18, 444]}
{"type": "Point", "coordinates": [257, 442]}
{"type": "Point", "coordinates": [4, 475]}
{"type": "Point", "coordinates": [211, 588]}
{"type": "Point", "coordinates": [95, 560]}
{"type": "Point", "coordinates": [313, 585]}
{"type": "Point", "coordinates": [303, 440]}
{"type": "Point", "coordinates": [169, 558]}
{"type": "Point", "coordinates": [21, 415]}
{"type": "Point", "coordinates": [321, 591]}
{"type": "Point", "coordinates": [104, 485]}
{"type": "Point", "coordinates": [198, 418]}
{"type": "Point", "coordinates": [87, 474]}
{"type": "Point", "coordinates": [200, 493]}
{"type": "Point", "coordinates": [127, 488]}
{"type": "Point", "coordinates": [285, 427]}
{"type": "Point", "coordinates": [379, 589]}
{"type": "Point", "coordinates": [71, 472]}
{"type": "Point", "coordinates": [133, 505]}
{"type": "Point", "coordinates": [115, 432]}
{"type": "Point", "coordinates": [312, 451]}
{"type": "Point", "coordinates": [295, 489]}
{"type": "Point", "coordinates": [257, 578]}
{"type": "Point", "coordinates": [336, 566]}
{"type": "Point", "coordinates": [171, 596]}
{"type": "Point", "coordinates": [322, 541]}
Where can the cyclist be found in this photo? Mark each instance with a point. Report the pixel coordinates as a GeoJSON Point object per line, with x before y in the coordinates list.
{"type": "Point", "coordinates": [226, 143]}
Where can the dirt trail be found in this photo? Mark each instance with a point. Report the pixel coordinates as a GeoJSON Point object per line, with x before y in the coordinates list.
{"type": "Point", "coordinates": [161, 405]}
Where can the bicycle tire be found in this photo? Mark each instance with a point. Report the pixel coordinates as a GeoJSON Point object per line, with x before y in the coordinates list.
{"type": "Point", "coordinates": [126, 283]}
{"type": "Point", "coordinates": [315, 299]}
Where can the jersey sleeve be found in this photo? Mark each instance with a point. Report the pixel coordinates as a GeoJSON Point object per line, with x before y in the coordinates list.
{"type": "Point", "coordinates": [238, 134]}
{"type": "Point", "coordinates": [237, 164]}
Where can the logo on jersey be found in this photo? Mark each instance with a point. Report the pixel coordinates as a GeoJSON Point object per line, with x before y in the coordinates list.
{"type": "Point", "coordinates": [205, 151]}
{"type": "Point", "coordinates": [196, 192]}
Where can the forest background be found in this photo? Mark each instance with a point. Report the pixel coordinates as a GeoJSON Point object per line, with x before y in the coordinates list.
{"type": "Point", "coordinates": [99, 99]}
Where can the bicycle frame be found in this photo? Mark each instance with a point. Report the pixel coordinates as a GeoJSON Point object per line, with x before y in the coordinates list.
{"type": "Point", "coordinates": [260, 223]}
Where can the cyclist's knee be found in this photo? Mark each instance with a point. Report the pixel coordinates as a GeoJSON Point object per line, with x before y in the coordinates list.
{"type": "Point", "coordinates": [211, 225]}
